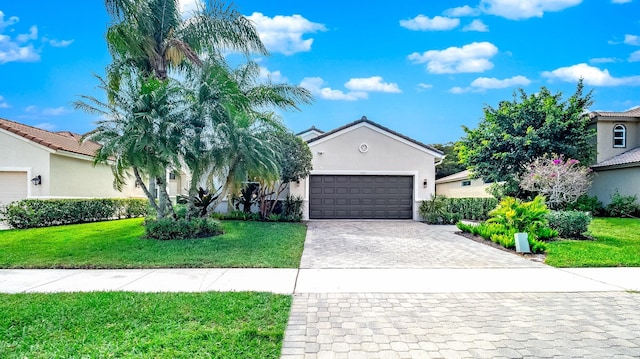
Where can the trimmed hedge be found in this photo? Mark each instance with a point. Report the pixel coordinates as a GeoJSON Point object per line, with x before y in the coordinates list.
{"type": "Point", "coordinates": [169, 229]}
{"type": "Point", "coordinates": [442, 210]}
{"type": "Point", "coordinates": [30, 213]}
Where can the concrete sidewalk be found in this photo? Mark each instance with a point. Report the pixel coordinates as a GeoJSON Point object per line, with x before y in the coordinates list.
{"type": "Point", "coordinates": [290, 281]}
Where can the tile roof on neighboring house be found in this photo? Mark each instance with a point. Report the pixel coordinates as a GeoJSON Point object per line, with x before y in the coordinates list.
{"type": "Point", "coordinates": [57, 141]}
{"type": "Point", "coordinates": [364, 119]}
{"type": "Point", "coordinates": [466, 174]}
{"type": "Point", "coordinates": [631, 157]}
{"type": "Point", "coordinates": [635, 112]}
{"type": "Point", "coordinates": [313, 128]}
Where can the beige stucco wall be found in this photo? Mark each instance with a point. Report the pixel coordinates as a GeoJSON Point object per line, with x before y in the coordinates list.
{"type": "Point", "coordinates": [454, 189]}
{"type": "Point", "coordinates": [340, 154]}
{"type": "Point", "coordinates": [76, 177]}
{"type": "Point", "coordinates": [625, 180]}
{"type": "Point", "coordinates": [605, 136]}
{"type": "Point", "coordinates": [21, 155]}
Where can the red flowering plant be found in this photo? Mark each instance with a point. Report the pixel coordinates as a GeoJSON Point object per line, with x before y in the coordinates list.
{"type": "Point", "coordinates": [560, 180]}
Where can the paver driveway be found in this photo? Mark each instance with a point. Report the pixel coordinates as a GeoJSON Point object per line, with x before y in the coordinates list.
{"type": "Point", "coordinates": [447, 325]}
{"type": "Point", "coordinates": [398, 244]}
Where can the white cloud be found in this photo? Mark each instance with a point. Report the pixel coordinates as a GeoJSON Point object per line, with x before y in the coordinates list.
{"type": "Point", "coordinates": [283, 34]}
{"type": "Point", "coordinates": [47, 111]}
{"type": "Point", "coordinates": [424, 23]}
{"type": "Point", "coordinates": [273, 76]}
{"type": "Point", "coordinates": [635, 56]}
{"type": "Point", "coordinates": [423, 86]}
{"type": "Point", "coordinates": [476, 25]}
{"type": "Point", "coordinates": [3, 103]}
{"type": "Point", "coordinates": [57, 43]}
{"type": "Point", "coordinates": [469, 58]}
{"type": "Point", "coordinates": [187, 7]}
{"type": "Point", "coordinates": [32, 35]}
{"type": "Point", "coordinates": [10, 21]}
{"type": "Point", "coordinates": [462, 11]}
{"type": "Point", "coordinates": [632, 40]}
{"type": "Point", "coordinates": [621, 1]}
{"type": "Point", "coordinates": [459, 90]}
{"type": "Point", "coordinates": [16, 50]}
{"type": "Point", "coordinates": [481, 84]}
{"type": "Point", "coordinates": [487, 83]}
{"type": "Point", "coordinates": [603, 60]}
{"type": "Point", "coordinates": [314, 85]}
{"type": "Point", "coordinates": [592, 76]}
{"type": "Point", "coordinates": [372, 84]}
{"type": "Point", "coordinates": [524, 9]}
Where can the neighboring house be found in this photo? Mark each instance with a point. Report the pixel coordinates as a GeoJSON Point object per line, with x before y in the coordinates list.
{"type": "Point", "coordinates": [366, 171]}
{"type": "Point", "coordinates": [618, 161]}
{"type": "Point", "coordinates": [309, 133]}
{"type": "Point", "coordinates": [35, 163]}
{"type": "Point", "coordinates": [461, 185]}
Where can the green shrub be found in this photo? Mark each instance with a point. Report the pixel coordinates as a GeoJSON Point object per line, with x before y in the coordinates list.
{"type": "Point", "coordinates": [442, 210]}
{"type": "Point", "coordinates": [168, 229]}
{"type": "Point", "coordinates": [586, 203]}
{"type": "Point", "coordinates": [569, 224]}
{"type": "Point", "coordinates": [622, 206]}
{"type": "Point", "coordinates": [292, 207]}
{"type": "Point", "coordinates": [30, 213]}
{"type": "Point", "coordinates": [520, 216]}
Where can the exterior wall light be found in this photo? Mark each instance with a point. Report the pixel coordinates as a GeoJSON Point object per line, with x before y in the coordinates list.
{"type": "Point", "coordinates": [37, 180]}
{"type": "Point", "coordinates": [424, 183]}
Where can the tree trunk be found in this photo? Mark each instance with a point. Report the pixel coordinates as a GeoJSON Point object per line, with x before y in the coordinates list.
{"type": "Point", "coordinates": [150, 197]}
{"type": "Point", "coordinates": [164, 202]}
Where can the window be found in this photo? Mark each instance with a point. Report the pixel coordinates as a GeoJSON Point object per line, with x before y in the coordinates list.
{"type": "Point", "coordinates": [619, 136]}
{"type": "Point", "coordinates": [466, 183]}
{"type": "Point", "coordinates": [172, 175]}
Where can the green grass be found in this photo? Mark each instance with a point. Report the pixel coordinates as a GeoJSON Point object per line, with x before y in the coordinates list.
{"type": "Point", "coordinates": [118, 244]}
{"type": "Point", "coordinates": [617, 243]}
{"type": "Point", "coordinates": [142, 325]}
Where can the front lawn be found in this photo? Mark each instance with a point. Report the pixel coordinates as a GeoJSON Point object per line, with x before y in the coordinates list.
{"type": "Point", "coordinates": [142, 325]}
{"type": "Point", "coordinates": [617, 243]}
{"type": "Point", "coordinates": [118, 244]}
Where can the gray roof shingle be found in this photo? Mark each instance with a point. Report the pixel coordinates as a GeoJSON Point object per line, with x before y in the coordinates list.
{"type": "Point", "coordinates": [629, 157]}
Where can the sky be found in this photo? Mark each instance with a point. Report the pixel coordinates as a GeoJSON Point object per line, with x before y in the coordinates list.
{"type": "Point", "coordinates": [422, 68]}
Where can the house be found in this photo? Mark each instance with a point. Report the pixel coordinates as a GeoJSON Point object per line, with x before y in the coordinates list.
{"type": "Point", "coordinates": [35, 163]}
{"type": "Point", "coordinates": [366, 171]}
{"type": "Point", "coordinates": [461, 185]}
{"type": "Point", "coordinates": [617, 165]}
{"type": "Point", "coordinates": [309, 133]}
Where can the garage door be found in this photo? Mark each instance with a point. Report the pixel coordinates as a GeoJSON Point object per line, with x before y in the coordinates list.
{"type": "Point", "coordinates": [13, 186]}
{"type": "Point", "coordinates": [360, 197]}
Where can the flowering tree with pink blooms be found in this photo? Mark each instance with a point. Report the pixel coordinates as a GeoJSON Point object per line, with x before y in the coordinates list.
{"type": "Point", "coordinates": [560, 180]}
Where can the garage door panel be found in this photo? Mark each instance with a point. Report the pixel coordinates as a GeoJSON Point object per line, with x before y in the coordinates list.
{"type": "Point", "coordinates": [360, 197]}
{"type": "Point", "coordinates": [13, 186]}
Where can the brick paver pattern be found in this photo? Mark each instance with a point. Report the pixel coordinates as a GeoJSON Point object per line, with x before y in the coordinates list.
{"type": "Point", "coordinates": [464, 325]}
{"type": "Point", "coordinates": [398, 244]}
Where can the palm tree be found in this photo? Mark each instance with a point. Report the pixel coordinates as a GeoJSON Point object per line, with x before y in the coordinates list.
{"type": "Point", "coordinates": [141, 130]}
{"type": "Point", "coordinates": [152, 37]}
{"type": "Point", "coordinates": [231, 128]}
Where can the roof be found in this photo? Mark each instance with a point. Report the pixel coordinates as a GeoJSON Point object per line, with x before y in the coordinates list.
{"type": "Point", "coordinates": [364, 119]}
{"type": "Point", "coordinates": [462, 175]}
{"type": "Point", "coordinates": [57, 141]}
{"type": "Point", "coordinates": [631, 157]}
{"type": "Point", "coordinates": [634, 112]}
{"type": "Point", "coordinates": [313, 128]}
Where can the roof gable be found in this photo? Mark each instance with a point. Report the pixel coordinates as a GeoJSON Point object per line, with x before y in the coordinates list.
{"type": "Point", "coordinates": [57, 141]}
{"type": "Point", "coordinates": [364, 122]}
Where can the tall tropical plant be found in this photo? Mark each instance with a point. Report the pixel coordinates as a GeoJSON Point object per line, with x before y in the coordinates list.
{"type": "Point", "coordinates": [141, 131]}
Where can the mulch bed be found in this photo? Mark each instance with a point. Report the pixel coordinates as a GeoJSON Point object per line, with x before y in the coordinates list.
{"type": "Point", "coordinates": [539, 257]}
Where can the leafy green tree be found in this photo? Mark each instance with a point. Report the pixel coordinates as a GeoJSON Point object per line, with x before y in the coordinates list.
{"type": "Point", "coordinates": [451, 163]}
{"type": "Point", "coordinates": [526, 128]}
{"type": "Point", "coordinates": [294, 160]}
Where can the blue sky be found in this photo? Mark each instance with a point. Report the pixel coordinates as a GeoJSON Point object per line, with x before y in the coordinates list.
{"type": "Point", "coordinates": [423, 68]}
